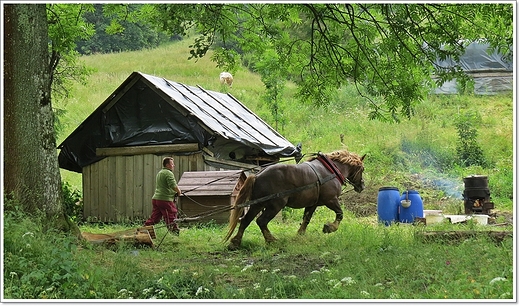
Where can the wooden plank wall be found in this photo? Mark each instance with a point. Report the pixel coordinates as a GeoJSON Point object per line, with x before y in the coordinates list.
{"type": "Point", "coordinates": [120, 188]}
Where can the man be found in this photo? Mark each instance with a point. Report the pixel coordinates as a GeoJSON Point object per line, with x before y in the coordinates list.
{"type": "Point", "coordinates": [163, 200]}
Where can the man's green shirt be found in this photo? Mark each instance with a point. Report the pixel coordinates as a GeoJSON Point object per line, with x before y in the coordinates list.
{"type": "Point", "coordinates": [165, 183]}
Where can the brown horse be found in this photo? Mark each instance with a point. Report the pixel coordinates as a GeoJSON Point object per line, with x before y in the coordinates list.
{"type": "Point", "coordinates": [308, 185]}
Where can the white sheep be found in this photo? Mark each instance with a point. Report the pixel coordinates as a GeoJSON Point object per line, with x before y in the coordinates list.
{"type": "Point", "coordinates": [226, 78]}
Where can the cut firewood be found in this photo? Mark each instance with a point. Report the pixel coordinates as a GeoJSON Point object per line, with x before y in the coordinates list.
{"type": "Point", "coordinates": [139, 236]}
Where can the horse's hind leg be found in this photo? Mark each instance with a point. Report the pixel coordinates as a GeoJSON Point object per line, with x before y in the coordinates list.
{"type": "Point", "coordinates": [244, 223]}
{"type": "Point", "coordinates": [267, 215]}
{"type": "Point", "coordinates": [307, 215]}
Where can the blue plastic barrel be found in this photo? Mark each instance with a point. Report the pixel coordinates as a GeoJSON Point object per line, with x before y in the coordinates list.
{"type": "Point", "coordinates": [388, 205]}
{"type": "Point", "coordinates": [415, 210]}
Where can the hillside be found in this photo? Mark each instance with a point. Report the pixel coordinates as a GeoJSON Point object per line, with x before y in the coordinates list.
{"type": "Point", "coordinates": [414, 154]}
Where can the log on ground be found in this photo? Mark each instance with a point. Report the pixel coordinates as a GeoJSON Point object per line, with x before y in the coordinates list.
{"type": "Point", "coordinates": [459, 236]}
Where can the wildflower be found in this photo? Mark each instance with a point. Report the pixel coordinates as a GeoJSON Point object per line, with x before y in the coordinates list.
{"type": "Point", "coordinates": [275, 270]}
{"type": "Point", "coordinates": [13, 274]}
{"type": "Point", "coordinates": [256, 286]}
{"type": "Point", "coordinates": [175, 271]}
{"type": "Point", "coordinates": [323, 269]}
{"type": "Point", "coordinates": [348, 280]}
{"type": "Point", "coordinates": [448, 262]}
{"type": "Point", "coordinates": [146, 290]}
{"type": "Point", "coordinates": [364, 293]}
{"type": "Point", "coordinates": [246, 267]}
{"type": "Point", "coordinates": [497, 279]}
{"type": "Point", "coordinates": [199, 290]}
{"type": "Point", "coordinates": [332, 281]}
{"type": "Point", "coordinates": [314, 280]}
{"type": "Point", "coordinates": [264, 270]}
{"type": "Point", "coordinates": [28, 233]}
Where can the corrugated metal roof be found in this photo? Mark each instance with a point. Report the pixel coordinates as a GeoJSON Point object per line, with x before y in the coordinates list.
{"type": "Point", "coordinates": [224, 115]}
{"type": "Point", "coordinates": [210, 183]}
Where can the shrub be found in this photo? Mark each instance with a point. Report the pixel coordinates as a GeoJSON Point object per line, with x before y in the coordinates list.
{"type": "Point", "coordinates": [469, 151]}
{"type": "Point", "coordinates": [72, 201]}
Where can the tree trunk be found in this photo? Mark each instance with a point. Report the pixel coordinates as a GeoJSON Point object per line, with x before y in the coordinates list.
{"type": "Point", "coordinates": [31, 172]}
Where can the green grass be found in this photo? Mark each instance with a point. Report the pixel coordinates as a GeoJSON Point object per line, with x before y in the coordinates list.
{"type": "Point", "coordinates": [362, 260]}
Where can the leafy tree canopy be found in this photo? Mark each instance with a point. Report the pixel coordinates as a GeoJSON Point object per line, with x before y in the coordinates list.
{"type": "Point", "coordinates": [387, 50]}
{"type": "Point", "coordinates": [127, 32]}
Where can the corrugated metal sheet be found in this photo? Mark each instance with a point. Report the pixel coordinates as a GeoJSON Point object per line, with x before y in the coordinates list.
{"type": "Point", "coordinates": [224, 115]}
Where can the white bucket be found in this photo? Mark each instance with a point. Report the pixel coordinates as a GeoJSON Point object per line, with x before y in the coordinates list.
{"type": "Point", "coordinates": [481, 219]}
{"type": "Point", "coordinates": [431, 219]}
{"type": "Point", "coordinates": [433, 216]}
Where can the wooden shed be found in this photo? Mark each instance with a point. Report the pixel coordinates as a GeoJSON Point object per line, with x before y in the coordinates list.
{"type": "Point", "coordinates": [119, 147]}
{"type": "Point", "coordinates": [206, 192]}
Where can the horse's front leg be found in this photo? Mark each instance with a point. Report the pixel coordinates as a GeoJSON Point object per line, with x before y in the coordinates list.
{"type": "Point", "coordinates": [307, 215]}
{"type": "Point", "coordinates": [336, 207]}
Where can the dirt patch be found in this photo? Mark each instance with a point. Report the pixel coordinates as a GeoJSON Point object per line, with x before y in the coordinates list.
{"type": "Point", "coordinates": [362, 204]}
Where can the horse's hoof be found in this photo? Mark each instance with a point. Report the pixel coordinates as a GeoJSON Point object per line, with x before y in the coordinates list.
{"type": "Point", "coordinates": [327, 229]}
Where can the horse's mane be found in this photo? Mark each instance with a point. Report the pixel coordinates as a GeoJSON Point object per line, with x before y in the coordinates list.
{"type": "Point", "coordinates": [344, 157]}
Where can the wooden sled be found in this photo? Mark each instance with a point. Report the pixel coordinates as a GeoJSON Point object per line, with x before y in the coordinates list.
{"type": "Point", "coordinates": [141, 235]}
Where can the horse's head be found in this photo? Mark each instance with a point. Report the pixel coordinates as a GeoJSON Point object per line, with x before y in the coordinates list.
{"type": "Point", "coordinates": [354, 172]}
{"type": "Point", "coordinates": [355, 177]}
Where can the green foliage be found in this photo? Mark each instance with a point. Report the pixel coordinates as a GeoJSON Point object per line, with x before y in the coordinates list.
{"type": "Point", "coordinates": [66, 26]}
{"type": "Point", "coordinates": [39, 265]}
{"type": "Point", "coordinates": [72, 200]}
{"type": "Point", "coordinates": [324, 46]}
{"type": "Point", "coordinates": [119, 28]}
{"type": "Point", "coordinates": [469, 151]}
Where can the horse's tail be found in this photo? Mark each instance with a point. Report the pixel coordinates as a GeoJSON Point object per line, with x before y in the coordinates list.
{"type": "Point", "coordinates": [243, 195]}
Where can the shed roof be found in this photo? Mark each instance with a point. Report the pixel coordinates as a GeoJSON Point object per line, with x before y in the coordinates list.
{"type": "Point", "coordinates": [211, 183]}
{"type": "Point", "coordinates": [149, 110]}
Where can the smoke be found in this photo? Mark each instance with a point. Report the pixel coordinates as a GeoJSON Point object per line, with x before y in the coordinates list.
{"type": "Point", "coordinates": [450, 187]}
{"type": "Point", "coordinates": [431, 159]}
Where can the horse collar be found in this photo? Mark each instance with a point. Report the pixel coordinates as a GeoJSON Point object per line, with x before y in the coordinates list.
{"type": "Point", "coordinates": [331, 166]}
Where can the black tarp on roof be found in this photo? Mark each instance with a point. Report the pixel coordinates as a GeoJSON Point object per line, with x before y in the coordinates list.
{"type": "Point", "coordinates": [148, 110]}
